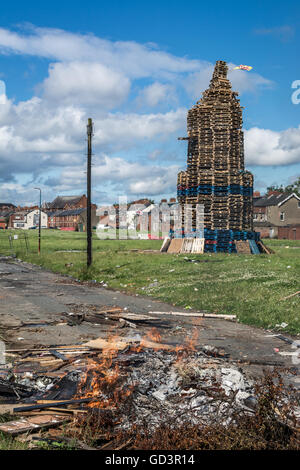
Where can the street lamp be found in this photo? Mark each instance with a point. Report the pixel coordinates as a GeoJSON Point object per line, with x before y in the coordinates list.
{"type": "Point", "coordinates": [40, 217]}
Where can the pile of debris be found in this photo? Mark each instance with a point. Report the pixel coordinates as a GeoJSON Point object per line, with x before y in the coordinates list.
{"type": "Point", "coordinates": [123, 382]}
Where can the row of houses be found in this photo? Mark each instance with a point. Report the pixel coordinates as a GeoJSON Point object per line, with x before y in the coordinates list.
{"type": "Point", "coordinates": [65, 212]}
{"type": "Point", "coordinates": [276, 214]}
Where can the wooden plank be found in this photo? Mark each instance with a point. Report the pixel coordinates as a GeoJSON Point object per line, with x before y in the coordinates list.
{"type": "Point", "coordinates": [133, 316]}
{"type": "Point", "coordinates": [165, 245]}
{"type": "Point", "coordinates": [198, 245]}
{"type": "Point", "coordinates": [175, 245]}
{"type": "Point", "coordinates": [112, 345]}
{"type": "Point", "coordinates": [187, 245]}
{"type": "Point", "coordinates": [242, 246]}
{"type": "Point", "coordinates": [41, 406]}
{"type": "Point", "coordinates": [32, 424]}
{"type": "Point", "coordinates": [198, 314]}
{"type": "Point", "coordinates": [8, 408]}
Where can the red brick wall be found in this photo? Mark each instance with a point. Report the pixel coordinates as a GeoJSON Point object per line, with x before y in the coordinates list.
{"type": "Point", "coordinates": [289, 233]}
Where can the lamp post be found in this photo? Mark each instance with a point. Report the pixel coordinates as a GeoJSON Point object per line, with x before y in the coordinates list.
{"type": "Point", "coordinates": [40, 217]}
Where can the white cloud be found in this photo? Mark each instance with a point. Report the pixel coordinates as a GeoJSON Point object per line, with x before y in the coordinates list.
{"type": "Point", "coordinates": [123, 176]}
{"type": "Point", "coordinates": [157, 93]}
{"type": "Point", "coordinates": [85, 83]}
{"type": "Point", "coordinates": [122, 129]}
{"type": "Point", "coordinates": [35, 137]}
{"type": "Point", "coordinates": [267, 147]}
{"type": "Point", "coordinates": [133, 59]}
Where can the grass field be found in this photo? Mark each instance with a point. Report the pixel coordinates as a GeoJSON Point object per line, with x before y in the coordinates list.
{"type": "Point", "coordinates": [249, 286]}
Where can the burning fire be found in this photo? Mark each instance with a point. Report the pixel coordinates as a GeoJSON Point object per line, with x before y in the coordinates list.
{"type": "Point", "coordinates": [103, 381]}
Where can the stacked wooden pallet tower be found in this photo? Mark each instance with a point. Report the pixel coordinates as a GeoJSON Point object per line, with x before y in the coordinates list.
{"type": "Point", "coordinates": [215, 175]}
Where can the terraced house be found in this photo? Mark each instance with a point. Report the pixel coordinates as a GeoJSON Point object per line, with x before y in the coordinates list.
{"type": "Point", "coordinates": [277, 214]}
{"type": "Point", "coordinates": [69, 213]}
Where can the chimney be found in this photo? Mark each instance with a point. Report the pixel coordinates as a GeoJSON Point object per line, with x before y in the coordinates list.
{"type": "Point", "coordinates": [163, 200]}
{"type": "Point", "coordinates": [172, 199]}
{"type": "Point", "coordinates": [256, 194]}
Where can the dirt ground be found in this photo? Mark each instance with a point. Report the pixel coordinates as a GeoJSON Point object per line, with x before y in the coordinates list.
{"type": "Point", "coordinates": [35, 307]}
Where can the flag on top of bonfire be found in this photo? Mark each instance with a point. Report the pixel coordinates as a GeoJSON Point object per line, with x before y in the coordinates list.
{"type": "Point", "coordinates": [243, 67]}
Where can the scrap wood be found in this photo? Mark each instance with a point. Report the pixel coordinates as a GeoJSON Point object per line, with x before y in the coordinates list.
{"type": "Point", "coordinates": [42, 361]}
{"type": "Point", "coordinates": [124, 322]}
{"type": "Point", "coordinates": [175, 245]}
{"type": "Point", "coordinates": [8, 408]}
{"type": "Point", "coordinates": [266, 249]}
{"type": "Point", "coordinates": [291, 295]}
{"type": "Point", "coordinates": [64, 410]}
{"type": "Point", "coordinates": [46, 349]}
{"type": "Point", "coordinates": [110, 310]}
{"type": "Point", "coordinates": [133, 317]}
{"type": "Point", "coordinates": [59, 403]}
{"type": "Point", "coordinates": [243, 247]}
{"type": "Point", "coordinates": [165, 245]}
{"type": "Point", "coordinates": [198, 314]}
{"type": "Point", "coordinates": [32, 424]}
{"type": "Point", "coordinates": [57, 354]}
{"type": "Point", "coordinates": [101, 343]}
{"type": "Point", "coordinates": [153, 345]}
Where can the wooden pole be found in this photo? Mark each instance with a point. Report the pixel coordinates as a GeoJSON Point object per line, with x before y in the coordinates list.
{"type": "Point", "coordinates": [89, 212]}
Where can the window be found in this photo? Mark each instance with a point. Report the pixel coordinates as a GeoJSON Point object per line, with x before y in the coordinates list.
{"type": "Point", "coordinates": [298, 204]}
{"type": "Point", "coordinates": [282, 214]}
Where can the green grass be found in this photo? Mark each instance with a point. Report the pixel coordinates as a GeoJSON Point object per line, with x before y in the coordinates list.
{"type": "Point", "coordinates": [249, 286]}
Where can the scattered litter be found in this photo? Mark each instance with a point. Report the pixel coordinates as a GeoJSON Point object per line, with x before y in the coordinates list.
{"type": "Point", "coordinates": [281, 325]}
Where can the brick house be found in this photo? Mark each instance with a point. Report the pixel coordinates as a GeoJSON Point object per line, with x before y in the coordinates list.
{"type": "Point", "coordinates": [276, 210]}
{"type": "Point", "coordinates": [28, 219]}
{"type": "Point", "coordinates": [67, 203]}
{"type": "Point", "coordinates": [6, 210]}
{"type": "Point", "coordinates": [69, 212]}
{"type": "Point", "coordinates": [71, 219]}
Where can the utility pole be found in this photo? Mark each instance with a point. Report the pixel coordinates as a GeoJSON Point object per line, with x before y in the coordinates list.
{"type": "Point", "coordinates": [40, 219]}
{"type": "Point", "coordinates": [89, 212]}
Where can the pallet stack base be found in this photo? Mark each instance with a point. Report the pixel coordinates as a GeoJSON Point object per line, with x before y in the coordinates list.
{"type": "Point", "coordinates": [219, 240]}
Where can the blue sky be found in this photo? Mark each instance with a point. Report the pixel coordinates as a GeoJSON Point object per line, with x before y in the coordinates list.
{"type": "Point", "coordinates": [135, 68]}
